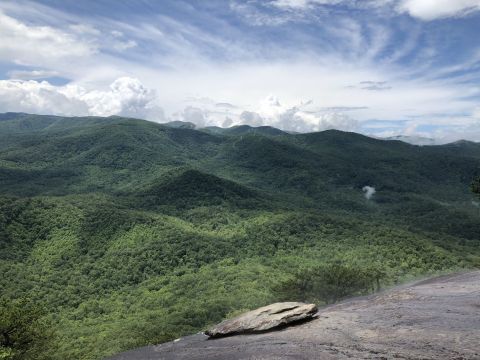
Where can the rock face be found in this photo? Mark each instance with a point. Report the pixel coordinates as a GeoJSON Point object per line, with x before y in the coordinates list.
{"type": "Point", "coordinates": [264, 318]}
{"type": "Point", "coordinates": [434, 319]}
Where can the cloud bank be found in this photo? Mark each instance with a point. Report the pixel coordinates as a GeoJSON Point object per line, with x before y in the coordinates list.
{"type": "Point", "coordinates": [269, 111]}
{"type": "Point", "coordinates": [129, 97]}
{"type": "Point", "coordinates": [125, 96]}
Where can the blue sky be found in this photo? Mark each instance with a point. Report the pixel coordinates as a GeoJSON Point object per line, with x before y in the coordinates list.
{"type": "Point", "coordinates": [384, 68]}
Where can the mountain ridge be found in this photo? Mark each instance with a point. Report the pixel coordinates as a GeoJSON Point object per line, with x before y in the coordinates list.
{"type": "Point", "coordinates": [215, 130]}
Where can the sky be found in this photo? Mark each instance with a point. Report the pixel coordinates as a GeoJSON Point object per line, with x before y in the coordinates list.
{"type": "Point", "coordinates": [381, 68]}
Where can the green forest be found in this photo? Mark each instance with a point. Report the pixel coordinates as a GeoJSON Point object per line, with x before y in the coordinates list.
{"type": "Point", "coordinates": [117, 233]}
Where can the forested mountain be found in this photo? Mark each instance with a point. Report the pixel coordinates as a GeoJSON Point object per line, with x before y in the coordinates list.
{"type": "Point", "coordinates": [127, 232]}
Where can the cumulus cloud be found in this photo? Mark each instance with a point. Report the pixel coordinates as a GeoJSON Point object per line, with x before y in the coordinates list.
{"type": "Point", "coordinates": [125, 96]}
{"type": "Point", "coordinates": [369, 191]}
{"type": "Point", "coordinates": [269, 111]}
{"type": "Point", "coordinates": [436, 9]}
{"type": "Point", "coordinates": [294, 118]}
{"type": "Point", "coordinates": [38, 97]}
{"type": "Point", "coordinates": [227, 122]}
{"type": "Point", "coordinates": [195, 115]}
{"type": "Point", "coordinates": [251, 118]}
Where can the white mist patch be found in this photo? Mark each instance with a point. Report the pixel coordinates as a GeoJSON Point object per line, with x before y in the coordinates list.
{"type": "Point", "coordinates": [369, 191]}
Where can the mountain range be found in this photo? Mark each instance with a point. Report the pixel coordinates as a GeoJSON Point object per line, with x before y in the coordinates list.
{"type": "Point", "coordinates": [128, 232]}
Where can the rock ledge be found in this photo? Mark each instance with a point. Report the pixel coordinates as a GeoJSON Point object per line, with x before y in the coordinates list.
{"type": "Point", "coordinates": [264, 318]}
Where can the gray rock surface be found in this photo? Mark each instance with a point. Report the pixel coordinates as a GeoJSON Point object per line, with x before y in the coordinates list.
{"type": "Point", "coordinates": [433, 319]}
{"type": "Point", "coordinates": [264, 318]}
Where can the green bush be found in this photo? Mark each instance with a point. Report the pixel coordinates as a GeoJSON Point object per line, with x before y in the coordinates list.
{"type": "Point", "coordinates": [330, 282]}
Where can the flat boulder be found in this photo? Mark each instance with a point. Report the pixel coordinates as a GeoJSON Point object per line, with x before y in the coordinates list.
{"type": "Point", "coordinates": [264, 319]}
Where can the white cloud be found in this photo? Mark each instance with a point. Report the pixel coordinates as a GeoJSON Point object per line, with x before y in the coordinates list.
{"type": "Point", "coordinates": [251, 118]}
{"type": "Point", "coordinates": [294, 118]}
{"type": "Point", "coordinates": [291, 4]}
{"type": "Point", "coordinates": [84, 29]}
{"type": "Point", "coordinates": [436, 9]}
{"type": "Point", "coordinates": [307, 4]}
{"type": "Point", "coordinates": [470, 133]}
{"type": "Point", "coordinates": [304, 4]}
{"type": "Point", "coordinates": [327, 83]}
{"type": "Point", "coordinates": [476, 113]}
{"type": "Point", "coordinates": [195, 115]}
{"type": "Point", "coordinates": [227, 122]}
{"type": "Point", "coordinates": [119, 42]}
{"type": "Point", "coordinates": [369, 191]}
{"type": "Point", "coordinates": [270, 111]}
{"type": "Point", "coordinates": [31, 74]}
{"type": "Point", "coordinates": [460, 129]}
{"type": "Point", "coordinates": [38, 97]}
{"type": "Point", "coordinates": [124, 45]}
{"type": "Point", "coordinates": [432, 129]}
{"type": "Point", "coordinates": [38, 45]}
{"type": "Point", "coordinates": [126, 96]}
{"type": "Point", "coordinates": [422, 9]}
{"type": "Point", "coordinates": [116, 33]}
{"type": "Point", "coordinates": [252, 16]}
